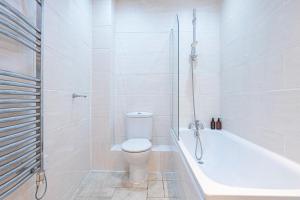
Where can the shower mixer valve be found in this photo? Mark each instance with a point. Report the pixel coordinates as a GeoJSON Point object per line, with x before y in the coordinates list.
{"type": "Point", "coordinates": [197, 125]}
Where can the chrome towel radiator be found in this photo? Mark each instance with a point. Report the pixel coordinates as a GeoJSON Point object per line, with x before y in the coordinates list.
{"type": "Point", "coordinates": [21, 119]}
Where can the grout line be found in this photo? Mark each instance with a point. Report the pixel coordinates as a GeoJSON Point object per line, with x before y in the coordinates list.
{"type": "Point", "coordinates": [147, 193]}
{"type": "Point", "coordinates": [163, 182]}
{"type": "Point", "coordinates": [90, 183]}
{"type": "Point", "coordinates": [113, 193]}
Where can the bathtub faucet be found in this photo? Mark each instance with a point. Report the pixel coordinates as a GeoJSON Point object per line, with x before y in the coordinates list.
{"type": "Point", "coordinates": [196, 125]}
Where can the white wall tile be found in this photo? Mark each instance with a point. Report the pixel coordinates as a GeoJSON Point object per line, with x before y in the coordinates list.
{"type": "Point", "coordinates": [159, 84]}
{"type": "Point", "coordinates": [142, 60]}
{"type": "Point", "coordinates": [102, 37]}
{"type": "Point", "coordinates": [102, 87]}
{"type": "Point", "coordinates": [260, 67]}
{"type": "Point", "coordinates": [102, 13]}
{"type": "Point", "coordinates": [102, 61]}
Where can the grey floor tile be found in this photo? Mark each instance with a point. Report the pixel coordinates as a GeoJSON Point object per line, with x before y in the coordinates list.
{"type": "Point", "coordinates": [116, 186]}
{"type": "Point", "coordinates": [85, 190]}
{"type": "Point", "coordinates": [170, 188]}
{"type": "Point", "coordinates": [155, 189]}
{"type": "Point", "coordinates": [161, 199]}
{"type": "Point", "coordinates": [116, 179]}
{"type": "Point", "coordinates": [130, 194]}
{"type": "Point", "coordinates": [93, 187]}
{"type": "Point", "coordinates": [128, 184]}
{"type": "Point", "coordinates": [169, 176]}
{"type": "Point", "coordinates": [154, 176]}
{"type": "Point", "coordinates": [103, 192]}
{"type": "Point", "coordinates": [93, 198]}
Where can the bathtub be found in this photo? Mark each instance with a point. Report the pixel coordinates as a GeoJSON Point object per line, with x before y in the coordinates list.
{"type": "Point", "coordinates": [235, 169]}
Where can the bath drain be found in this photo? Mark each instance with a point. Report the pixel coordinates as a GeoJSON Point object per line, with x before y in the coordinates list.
{"type": "Point", "coordinates": [200, 162]}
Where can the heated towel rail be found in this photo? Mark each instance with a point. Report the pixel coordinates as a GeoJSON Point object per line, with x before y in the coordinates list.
{"type": "Point", "coordinates": [21, 122]}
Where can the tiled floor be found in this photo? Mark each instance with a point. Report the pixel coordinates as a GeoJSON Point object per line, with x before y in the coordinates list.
{"type": "Point", "coordinates": [115, 186]}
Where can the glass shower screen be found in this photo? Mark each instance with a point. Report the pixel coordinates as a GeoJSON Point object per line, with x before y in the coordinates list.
{"type": "Point", "coordinates": [174, 69]}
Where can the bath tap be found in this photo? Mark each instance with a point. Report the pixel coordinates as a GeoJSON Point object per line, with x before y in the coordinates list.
{"type": "Point", "coordinates": [197, 125]}
{"type": "Point", "coordinates": [191, 125]}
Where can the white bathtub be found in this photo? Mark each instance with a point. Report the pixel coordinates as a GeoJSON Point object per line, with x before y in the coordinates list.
{"type": "Point", "coordinates": [235, 169]}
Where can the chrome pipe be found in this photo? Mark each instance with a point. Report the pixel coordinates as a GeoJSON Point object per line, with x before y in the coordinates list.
{"type": "Point", "coordinates": [39, 73]}
{"type": "Point", "coordinates": [18, 14]}
{"type": "Point", "coordinates": [15, 161]}
{"type": "Point", "coordinates": [18, 75]}
{"type": "Point", "coordinates": [17, 101]}
{"type": "Point", "coordinates": [18, 84]}
{"type": "Point", "coordinates": [19, 92]}
{"type": "Point", "coordinates": [20, 109]}
{"type": "Point", "coordinates": [194, 25]}
{"type": "Point", "coordinates": [18, 142]}
{"type": "Point", "coordinates": [193, 55]}
{"type": "Point", "coordinates": [20, 117]}
{"type": "Point", "coordinates": [18, 126]}
{"type": "Point", "coordinates": [22, 181]}
{"type": "Point", "coordinates": [25, 149]}
{"type": "Point", "coordinates": [17, 178]}
{"type": "Point", "coordinates": [14, 37]}
{"type": "Point", "coordinates": [21, 25]}
{"type": "Point", "coordinates": [16, 30]}
{"type": "Point", "coordinates": [18, 134]}
{"type": "Point", "coordinates": [13, 171]}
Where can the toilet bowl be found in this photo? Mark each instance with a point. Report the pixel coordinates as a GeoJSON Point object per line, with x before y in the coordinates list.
{"type": "Point", "coordinates": [136, 153]}
{"type": "Point", "coordinates": [136, 149]}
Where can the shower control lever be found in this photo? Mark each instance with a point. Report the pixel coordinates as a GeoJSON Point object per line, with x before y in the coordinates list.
{"type": "Point", "coordinates": [197, 125]}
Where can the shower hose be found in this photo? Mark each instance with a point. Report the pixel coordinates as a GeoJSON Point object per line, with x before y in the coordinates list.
{"type": "Point", "coordinates": [197, 134]}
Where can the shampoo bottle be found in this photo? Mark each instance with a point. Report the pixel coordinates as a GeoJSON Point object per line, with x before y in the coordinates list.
{"type": "Point", "coordinates": [213, 124]}
{"type": "Point", "coordinates": [219, 124]}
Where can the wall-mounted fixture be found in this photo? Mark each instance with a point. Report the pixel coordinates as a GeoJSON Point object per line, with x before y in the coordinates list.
{"type": "Point", "coordinates": [74, 95]}
{"type": "Point", "coordinates": [21, 106]}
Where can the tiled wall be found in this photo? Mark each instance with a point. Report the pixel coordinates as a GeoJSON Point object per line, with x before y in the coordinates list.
{"type": "Point", "coordinates": [131, 71]}
{"type": "Point", "coordinates": [260, 73]}
{"type": "Point", "coordinates": [103, 100]}
{"type": "Point", "coordinates": [120, 85]}
{"type": "Point", "coordinates": [102, 88]}
{"type": "Point", "coordinates": [67, 68]}
{"type": "Point", "coordinates": [207, 70]}
{"type": "Point", "coordinates": [142, 77]}
{"type": "Point", "coordinates": [142, 71]}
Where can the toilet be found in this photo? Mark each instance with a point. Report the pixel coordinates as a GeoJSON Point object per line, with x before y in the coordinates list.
{"type": "Point", "coordinates": [136, 149]}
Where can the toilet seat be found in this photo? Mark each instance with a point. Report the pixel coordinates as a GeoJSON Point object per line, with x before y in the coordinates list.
{"type": "Point", "coordinates": [136, 145]}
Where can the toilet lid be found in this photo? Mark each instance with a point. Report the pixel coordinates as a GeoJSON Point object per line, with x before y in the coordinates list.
{"type": "Point", "coordinates": [136, 145]}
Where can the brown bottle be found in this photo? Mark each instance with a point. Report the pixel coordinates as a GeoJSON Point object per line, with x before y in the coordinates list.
{"type": "Point", "coordinates": [213, 124]}
{"type": "Point", "coordinates": [219, 124]}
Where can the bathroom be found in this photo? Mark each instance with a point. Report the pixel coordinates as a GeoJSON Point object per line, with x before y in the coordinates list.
{"type": "Point", "coordinates": [114, 99]}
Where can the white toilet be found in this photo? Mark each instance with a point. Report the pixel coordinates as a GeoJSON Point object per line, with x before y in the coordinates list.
{"type": "Point", "coordinates": [137, 147]}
